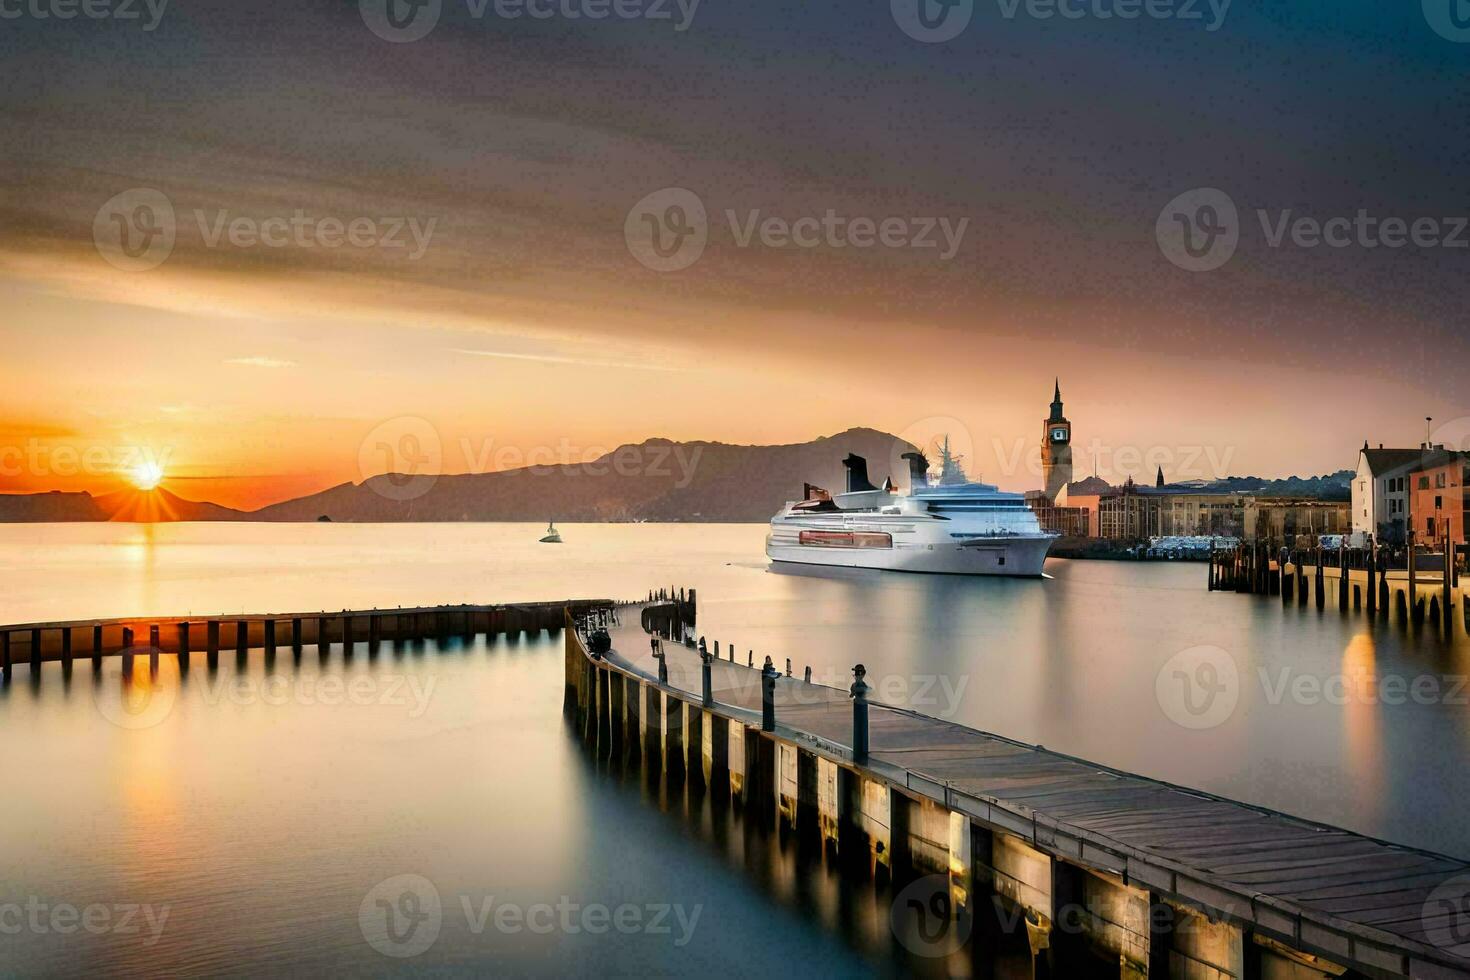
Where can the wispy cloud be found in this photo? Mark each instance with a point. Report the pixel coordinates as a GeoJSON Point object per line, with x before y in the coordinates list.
{"type": "Point", "coordinates": [561, 359]}
{"type": "Point", "coordinates": [261, 362]}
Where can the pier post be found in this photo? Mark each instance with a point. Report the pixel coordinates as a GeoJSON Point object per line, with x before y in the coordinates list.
{"type": "Point", "coordinates": [242, 638]}
{"type": "Point", "coordinates": [653, 722]}
{"type": "Point", "coordinates": [375, 631]}
{"type": "Point", "coordinates": [184, 645]}
{"type": "Point", "coordinates": [768, 697]}
{"type": "Point", "coordinates": [322, 646]}
{"type": "Point", "coordinates": [153, 642]}
{"type": "Point", "coordinates": [97, 645]}
{"type": "Point", "coordinates": [66, 648]}
{"type": "Point", "coordinates": [211, 642]}
{"type": "Point", "coordinates": [296, 635]}
{"type": "Point", "coordinates": [1342, 574]}
{"type": "Point", "coordinates": [5, 657]}
{"type": "Point", "coordinates": [1447, 606]}
{"type": "Point", "coordinates": [35, 651]}
{"type": "Point", "coordinates": [860, 714]}
{"type": "Point", "coordinates": [1372, 589]}
{"type": "Point", "coordinates": [674, 736]}
{"type": "Point", "coordinates": [346, 636]}
{"type": "Point", "coordinates": [269, 640]}
{"type": "Point", "coordinates": [127, 650]}
{"type": "Point", "coordinates": [706, 679]}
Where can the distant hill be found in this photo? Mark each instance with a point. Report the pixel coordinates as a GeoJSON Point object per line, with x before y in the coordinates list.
{"type": "Point", "coordinates": [655, 480]}
{"type": "Point", "coordinates": [123, 505]}
{"type": "Point", "coordinates": [1333, 486]}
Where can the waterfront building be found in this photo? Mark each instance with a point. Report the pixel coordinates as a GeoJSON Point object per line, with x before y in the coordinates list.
{"type": "Point", "coordinates": [1380, 493]}
{"type": "Point", "coordinates": [1437, 496]}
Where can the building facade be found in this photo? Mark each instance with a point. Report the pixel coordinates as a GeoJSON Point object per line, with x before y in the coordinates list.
{"type": "Point", "coordinates": [1380, 501]}
{"type": "Point", "coordinates": [1437, 498]}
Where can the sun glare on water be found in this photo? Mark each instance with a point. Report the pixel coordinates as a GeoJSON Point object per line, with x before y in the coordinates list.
{"type": "Point", "coordinates": [147, 475]}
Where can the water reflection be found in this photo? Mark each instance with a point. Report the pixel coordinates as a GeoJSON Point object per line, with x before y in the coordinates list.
{"type": "Point", "coordinates": [890, 920]}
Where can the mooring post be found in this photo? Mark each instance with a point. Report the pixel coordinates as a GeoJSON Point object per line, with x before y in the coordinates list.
{"type": "Point", "coordinates": [750, 659]}
{"type": "Point", "coordinates": [211, 641]}
{"type": "Point", "coordinates": [153, 644]}
{"type": "Point", "coordinates": [269, 640]}
{"type": "Point", "coordinates": [1372, 590]}
{"type": "Point", "coordinates": [184, 645]}
{"type": "Point", "coordinates": [347, 636]}
{"type": "Point", "coordinates": [375, 631]}
{"type": "Point", "coordinates": [1449, 565]}
{"type": "Point", "coordinates": [97, 645]}
{"type": "Point", "coordinates": [768, 696]}
{"type": "Point", "coordinates": [242, 638]}
{"type": "Point", "coordinates": [707, 685]}
{"type": "Point", "coordinates": [859, 714]}
{"type": "Point", "coordinates": [788, 666]}
{"type": "Point", "coordinates": [127, 650]}
{"type": "Point", "coordinates": [35, 650]}
{"type": "Point", "coordinates": [66, 647]}
{"type": "Point", "coordinates": [322, 646]}
{"type": "Point", "coordinates": [807, 677]}
{"type": "Point", "coordinates": [1413, 576]}
{"type": "Point", "coordinates": [296, 634]}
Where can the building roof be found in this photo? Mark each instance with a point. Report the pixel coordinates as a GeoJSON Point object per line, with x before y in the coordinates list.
{"type": "Point", "coordinates": [1381, 461]}
{"type": "Point", "coordinates": [1395, 461]}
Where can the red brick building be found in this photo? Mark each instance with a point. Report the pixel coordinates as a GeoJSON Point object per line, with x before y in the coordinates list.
{"type": "Point", "coordinates": [1437, 497]}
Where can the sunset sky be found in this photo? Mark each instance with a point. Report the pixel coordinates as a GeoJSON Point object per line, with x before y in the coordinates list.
{"type": "Point", "coordinates": [251, 372]}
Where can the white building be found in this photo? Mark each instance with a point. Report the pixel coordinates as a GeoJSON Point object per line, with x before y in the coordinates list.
{"type": "Point", "coordinates": [1381, 491]}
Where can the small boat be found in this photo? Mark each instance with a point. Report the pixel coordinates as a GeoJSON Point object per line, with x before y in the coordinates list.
{"type": "Point", "coordinates": [552, 535]}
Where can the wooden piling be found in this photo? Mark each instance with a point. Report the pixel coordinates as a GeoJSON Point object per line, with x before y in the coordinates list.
{"type": "Point", "coordinates": [269, 639]}
{"type": "Point", "coordinates": [153, 646]}
{"type": "Point", "coordinates": [66, 647]}
{"type": "Point", "coordinates": [322, 646]}
{"type": "Point", "coordinates": [183, 641]}
{"type": "Point", "coordinates": [296, 635]}
{"type": "Point", "coordinates": [97, 645]}
{"type": "Point", "coordinates": [35, 650]}
{"type": "Point", "coordinates": [5, 657]}
{"type": "Point", "coordinates": [242, 639]}
{"type": "Point", "coordinates": [127, 642]}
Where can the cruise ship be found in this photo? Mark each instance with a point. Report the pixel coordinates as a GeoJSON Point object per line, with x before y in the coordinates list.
{"type": "Point", "coordinates": [951, 526]}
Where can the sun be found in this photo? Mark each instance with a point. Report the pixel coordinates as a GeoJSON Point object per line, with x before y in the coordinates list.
{"type": "Point", "coordinates": [146, 475]}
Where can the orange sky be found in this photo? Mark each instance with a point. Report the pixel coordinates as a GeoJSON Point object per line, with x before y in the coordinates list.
{"type": "Point", "coordinates": [248, 398]}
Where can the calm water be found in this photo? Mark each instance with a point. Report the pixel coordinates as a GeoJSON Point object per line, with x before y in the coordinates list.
{"type": "Point", "coordinates": [262, 803]}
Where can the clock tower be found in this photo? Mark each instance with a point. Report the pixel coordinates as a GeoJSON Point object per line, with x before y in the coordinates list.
{"type": "Point", "coordinates": [1056, 450]}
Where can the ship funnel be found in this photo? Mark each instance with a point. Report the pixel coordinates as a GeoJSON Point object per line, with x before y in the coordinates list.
{"type": "Point", "coordinates": [918, 469]}
{"type": "Point", "coordinates": [857, 474]}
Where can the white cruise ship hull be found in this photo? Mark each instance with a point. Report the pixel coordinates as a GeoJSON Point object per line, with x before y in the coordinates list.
{"type": "Point", "coordinates": [921, 547]}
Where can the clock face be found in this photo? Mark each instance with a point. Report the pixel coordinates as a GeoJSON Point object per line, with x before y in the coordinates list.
{"type": "Point", "coordinates": [1058, 435]}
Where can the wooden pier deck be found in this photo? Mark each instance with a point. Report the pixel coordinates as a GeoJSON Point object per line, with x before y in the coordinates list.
{"type": "Point", "coordinates": [1339, 899]}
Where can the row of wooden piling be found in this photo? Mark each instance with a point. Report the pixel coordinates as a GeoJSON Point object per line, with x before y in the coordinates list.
{"type": "Point", "coordinates": [1360, 580]}
{"type": "Point", "coordinates": [37, 643]}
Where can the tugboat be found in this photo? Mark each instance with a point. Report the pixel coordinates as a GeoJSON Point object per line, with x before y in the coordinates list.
{"type": "Point", "coordinates": [953, 525]}
{"type": "Point", "coordinates": [552, 535]}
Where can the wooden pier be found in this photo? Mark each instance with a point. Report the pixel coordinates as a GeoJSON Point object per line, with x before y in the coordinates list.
{"type": "Point", "coordinates": [1170, 882]}
{"type": "Point", "coordinates": [1357, 580]}
{"type": "Point", "coordinates": [36, 643]}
